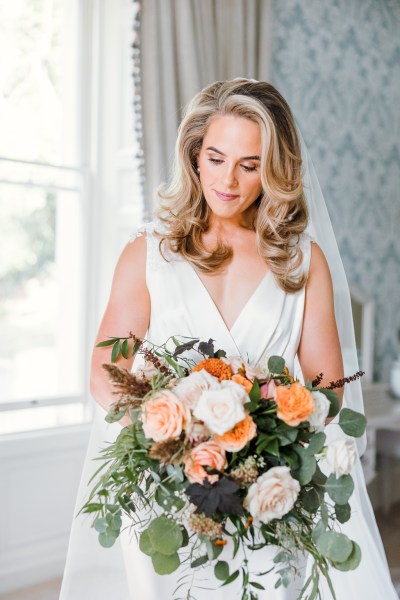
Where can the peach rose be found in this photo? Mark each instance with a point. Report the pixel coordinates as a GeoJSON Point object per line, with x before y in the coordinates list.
{"type": "Point", "coordinates": [164, 416]}
{"type": "Point", "coordinates": [236, 438]}
{"type": "Point", "coordinates": [295, 403]}
{"type": "Point", "coordinates": [243, 381]}
{"type": "Point", "coordinates": [208, 453]}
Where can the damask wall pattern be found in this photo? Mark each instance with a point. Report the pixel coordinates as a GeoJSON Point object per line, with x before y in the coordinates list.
{"type": "Point", "coordinates": [337, 62]}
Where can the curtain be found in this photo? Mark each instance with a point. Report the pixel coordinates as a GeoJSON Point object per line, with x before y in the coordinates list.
{"type": "Point", "coordinates": [185, 45]}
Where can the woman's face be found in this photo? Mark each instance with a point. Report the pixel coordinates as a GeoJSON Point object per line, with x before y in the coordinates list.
{"type": "Point", "coordinates": [229, 162]}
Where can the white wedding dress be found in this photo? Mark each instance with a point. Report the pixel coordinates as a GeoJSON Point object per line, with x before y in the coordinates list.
{"type": "Point", "coordinates": [270, 323]}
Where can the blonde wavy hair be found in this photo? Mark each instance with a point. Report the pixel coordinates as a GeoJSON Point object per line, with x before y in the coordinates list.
{"type": "Point", "coordinates": [280, 214]}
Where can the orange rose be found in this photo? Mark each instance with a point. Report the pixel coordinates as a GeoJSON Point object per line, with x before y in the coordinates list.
{"type": "Point", "coordinates": [208, 453]}
{"type": "Point", "coordinates": [243, 381]}
{"type": "Point", "coordinates": [236, 438]}
{"type": "Point", "coordinates": [295, 403]}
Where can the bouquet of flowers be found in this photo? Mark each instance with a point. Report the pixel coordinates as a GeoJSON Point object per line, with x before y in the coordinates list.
{"type": "Point", "coordinates": [221, 451]}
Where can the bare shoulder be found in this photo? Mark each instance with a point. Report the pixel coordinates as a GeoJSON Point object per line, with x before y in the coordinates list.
{"type": "Point", "coordinates": [133, 257]}
{"type": "Point", "coordinates": [319, 273]}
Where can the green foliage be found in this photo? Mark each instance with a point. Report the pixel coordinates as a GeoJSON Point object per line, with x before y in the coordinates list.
{"type": "Point", "coordinates": [353, 423]}
{"type": "Point", "coordinates": [352, 561]}
{"type": "Point", "coordinates": [221, 570]}
{"type": "Point", "coordinates": [335, 546]}
{"type": "Point", "coordinates": [339, 489]}
{"type": "Point", "coordinates": [343, 512]}
{"type": "Point", "coordinates": [276, 365]}
{"type": "Point", "coordinates": [165, 565]}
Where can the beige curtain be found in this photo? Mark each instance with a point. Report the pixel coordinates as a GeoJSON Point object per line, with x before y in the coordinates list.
{"type": "Point", "coordinates": [186, 44]}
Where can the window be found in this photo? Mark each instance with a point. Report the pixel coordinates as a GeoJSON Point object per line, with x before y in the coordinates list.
{"type": "Point", "coordinates": [43, 194]}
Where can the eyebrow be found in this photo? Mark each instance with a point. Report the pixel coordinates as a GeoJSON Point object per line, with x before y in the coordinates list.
{"type": "Point", "coordinates": [243, 157]}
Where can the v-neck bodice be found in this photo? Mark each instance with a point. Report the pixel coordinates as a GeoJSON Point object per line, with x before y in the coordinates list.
{"type": "Point", "coordinates": [269, 323]}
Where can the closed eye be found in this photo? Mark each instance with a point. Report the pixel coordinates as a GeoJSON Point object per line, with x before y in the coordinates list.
{"type": "Point", "coordinates": [248, 169]}
{"type": "Point", "coordinates": [218, 161]}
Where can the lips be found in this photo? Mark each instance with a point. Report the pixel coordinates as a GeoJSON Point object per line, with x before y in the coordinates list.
{"type": "Point", "coordinates": [226, 197]}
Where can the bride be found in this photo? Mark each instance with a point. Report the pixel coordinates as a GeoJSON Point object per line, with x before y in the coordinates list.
{"type": "Point", "coordinates": [241, 251]}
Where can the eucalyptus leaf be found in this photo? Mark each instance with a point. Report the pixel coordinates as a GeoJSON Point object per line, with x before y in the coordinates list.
{"type": "Point", "coordinates": [145, 543]}
{"type": "Point", "coordinates": [221, 570]}
{"type": "Point", "coordinates": [335, 546]}
{"type": "Point", "coordinates": [319, 528]}
{"type": "Point", "coordinates": [339, 489]}
{"type": "Point", "coordinates": [352, 423]}
{"type": "Point", "coordinates": [108, 537]}
{"type": "Point", "coordinates": [164, 565]}
{"type": "Point", "coordinates": [100, 525]}
{"type": "Point", "coordinates": [165, 535]}
{"type": "Point", "coordinates": [343, 512]}
{"type": "Point", "coordinates": [276, 364]}
{"type": "Point", "coordinates": [167, 500]}
{"type": "Point", "coordinates": [352, 561]}
{"type": "Point", "coordinates": [310, 500]}
{"type": "Point", "coordinates": [317, 442]}
{"type": "Point", "coordinates": [308, 464]}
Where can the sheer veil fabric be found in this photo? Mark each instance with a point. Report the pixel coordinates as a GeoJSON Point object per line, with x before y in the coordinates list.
{"type": "Point", "coordinates": [95, 573]}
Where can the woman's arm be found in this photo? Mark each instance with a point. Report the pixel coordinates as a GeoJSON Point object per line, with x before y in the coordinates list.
{"type": "Point", "coordinates": [319, 349]}
{"type": "Point", "coordinates": [128, 310]}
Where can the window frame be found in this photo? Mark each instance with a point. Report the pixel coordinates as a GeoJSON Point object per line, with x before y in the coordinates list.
{"type": "Point", "coordinates": [87, 64]}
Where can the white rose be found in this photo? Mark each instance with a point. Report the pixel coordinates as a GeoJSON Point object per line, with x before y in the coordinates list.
{"type": "Point", "coordinates": [341, 456]}
{"type": "Point", "coordinates": [189, 389]}
{"type": "Point", "coordinates": [272, 495]}
{"type": "Point", "coordinates": [222, 408]}
{"type": "Point", "coordinates": [318, 417]}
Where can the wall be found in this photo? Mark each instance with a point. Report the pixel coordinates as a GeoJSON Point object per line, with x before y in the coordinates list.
{"type": "Point", "coordinates": [338, 65]}
{"type": "Point", "coordinates": [39, 474]}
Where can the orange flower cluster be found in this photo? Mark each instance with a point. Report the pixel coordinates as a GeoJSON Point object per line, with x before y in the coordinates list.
{"type": "Point", "coordinates": [236, 438]}
{"type": "Point", "coordinates": [215, 367]}
{"type": "Point", "coordinates": [295, 403]}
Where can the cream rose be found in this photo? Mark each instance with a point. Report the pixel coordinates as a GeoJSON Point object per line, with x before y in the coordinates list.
{"type": "Point", "coordinates": [321, 409]}
{"type": "Point", "coordinates": [189, 389]}
{"type": "Point", "coordinates": [208, 454]}
{"type": "Point", "coordinates": [238, 364]}
{"type": "Point", "coordinates": [341, 456]}
{"type": "Point", "coordinates": [221, 409]}
{"type": "Point", "coordinates": [164, 416]}
{"type": "Point", "coordinates": [272, 495]}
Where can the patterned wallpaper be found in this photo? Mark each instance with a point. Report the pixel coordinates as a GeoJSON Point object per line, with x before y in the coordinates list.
{"type": "Point", "coordinates": [337, 62]}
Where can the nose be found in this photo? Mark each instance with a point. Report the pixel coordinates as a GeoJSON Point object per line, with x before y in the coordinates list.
{"type": "Point", "coordinates": [229, 176]}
